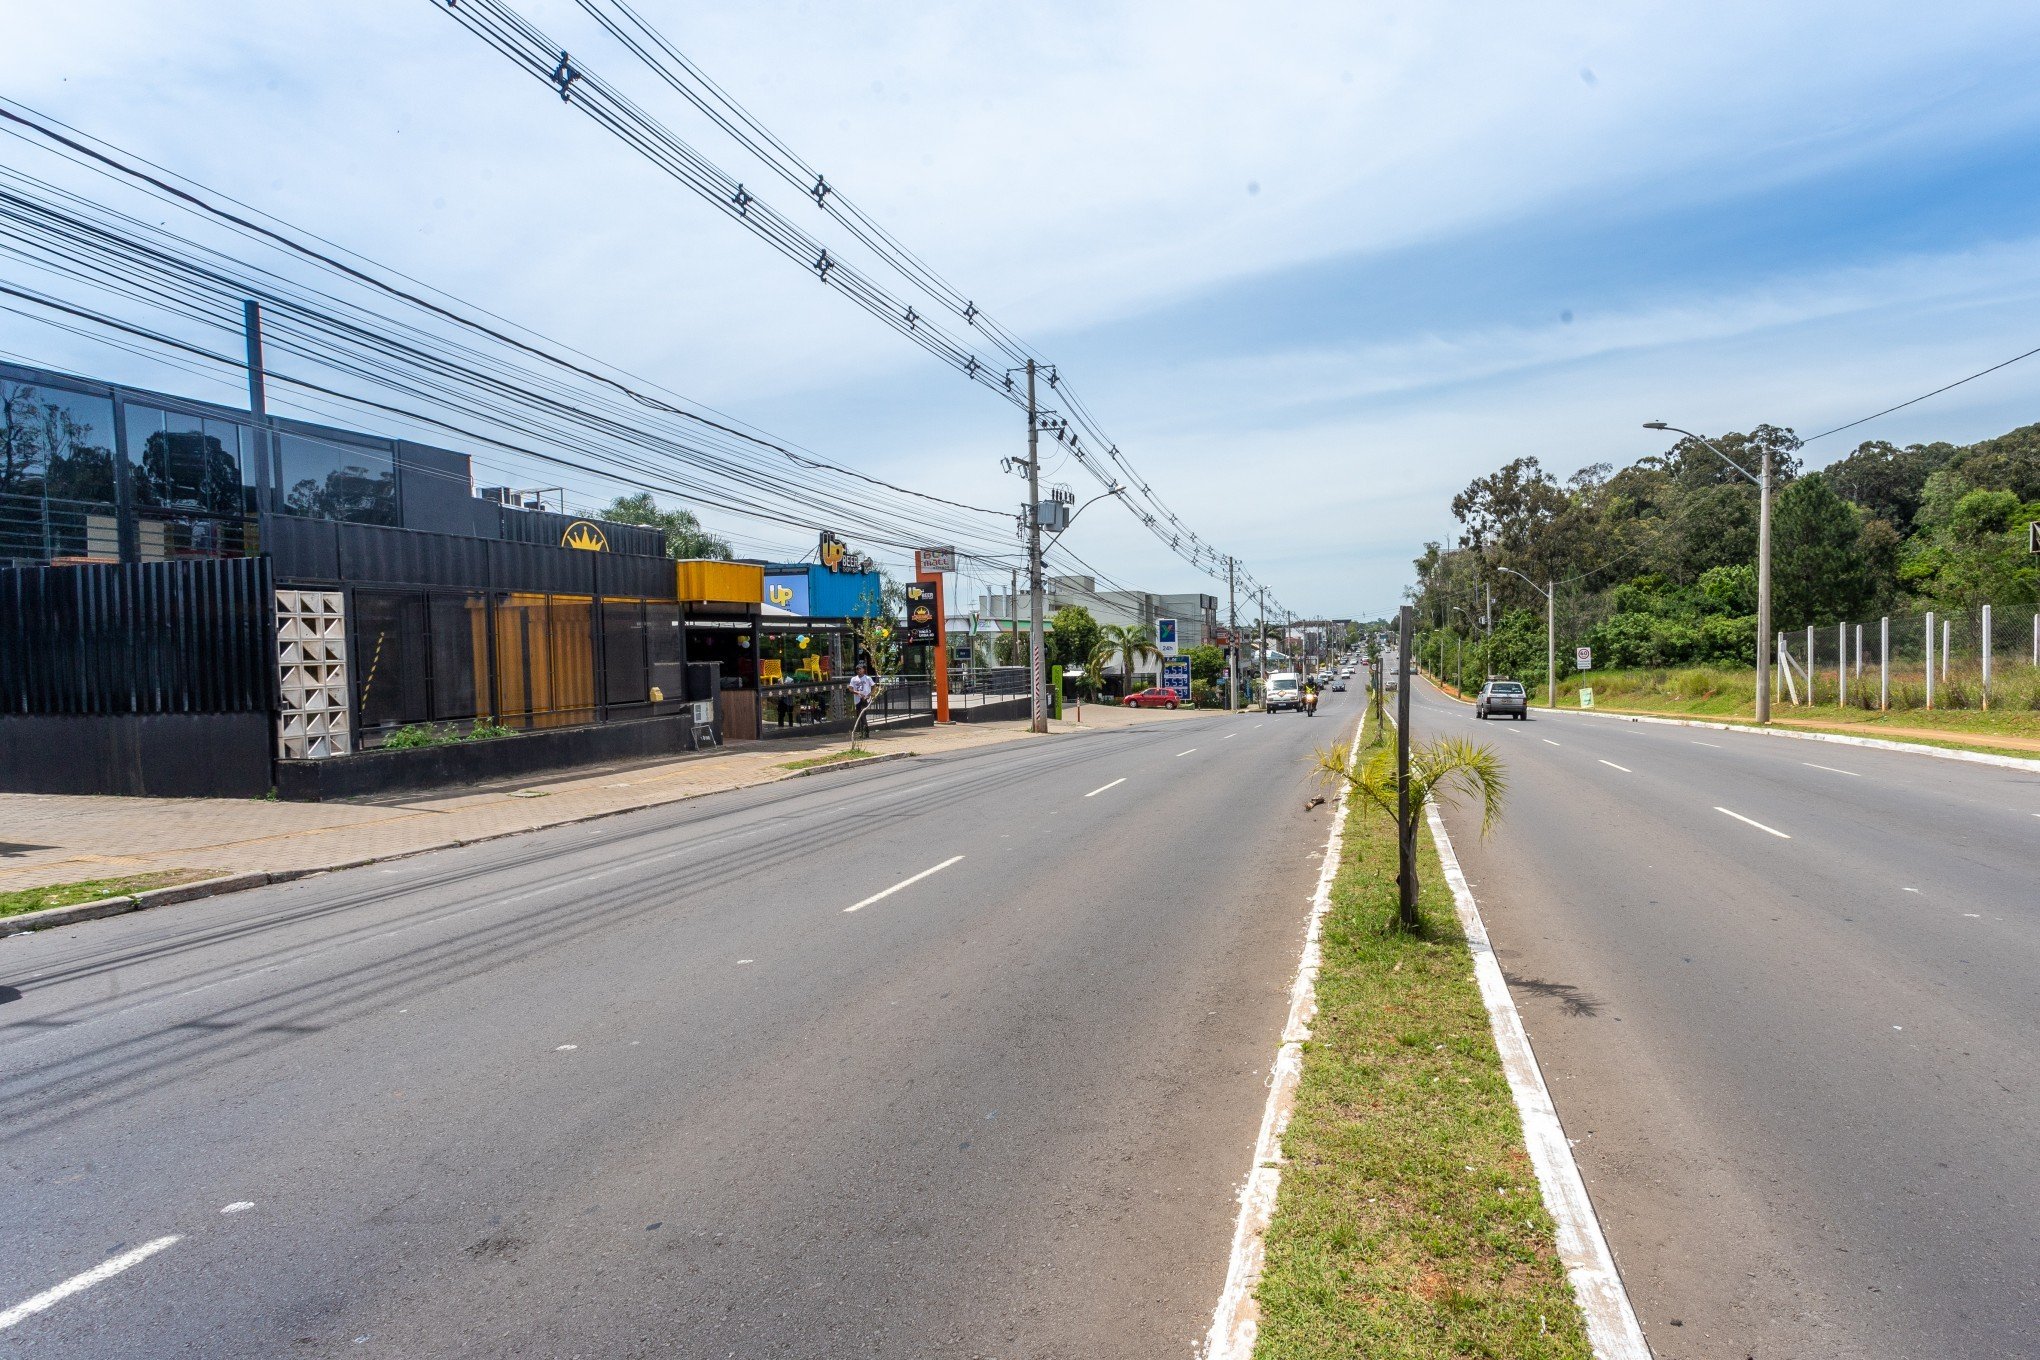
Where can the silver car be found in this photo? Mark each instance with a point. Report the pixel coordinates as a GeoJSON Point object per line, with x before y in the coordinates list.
{"type": "Point", "coordinates": [1502, 696]}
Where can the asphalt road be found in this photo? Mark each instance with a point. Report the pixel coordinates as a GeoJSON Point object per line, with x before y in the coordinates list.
{"type": "Point", "coordinates": [644, 1086]}
{"type": "Point", "coordinates": [1802, 1075]}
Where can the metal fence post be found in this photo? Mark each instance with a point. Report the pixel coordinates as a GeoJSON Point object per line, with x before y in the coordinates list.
{"type": "Point", "coordinates": [1930, 658]}
{"type": "Point", "coordinates": [1947, 636]}
{"type": "Point", "coordinates": [1859, 651]}
{"type": "Point", "coordinates": [1809, 665]}
{"type": "Point", "coordinates": [1884, 664]}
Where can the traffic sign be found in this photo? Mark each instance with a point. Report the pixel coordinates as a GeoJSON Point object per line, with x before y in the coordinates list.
{"type": "Point", "coordinates": [1583, 658]}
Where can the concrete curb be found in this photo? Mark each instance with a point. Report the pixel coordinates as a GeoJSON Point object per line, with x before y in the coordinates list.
{"type": "Point", "coordinates": [1612, 1327]}
{"type": "Point", "coordinates": [1918, 748]}
{"type": "Point", "coordinates": [52, 917]}
{"type": "Point", "coordinates": [1236, 1321]}
{"type": "Point", "coordinates": [49, 917]}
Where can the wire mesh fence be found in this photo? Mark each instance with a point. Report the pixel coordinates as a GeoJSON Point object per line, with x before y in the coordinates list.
{"type": "Point", "coordinates": [1980, 659]}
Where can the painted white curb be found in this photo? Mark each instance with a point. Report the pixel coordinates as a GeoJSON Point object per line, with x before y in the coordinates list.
{"type": "Point", "coordinates": [1236, 1322]}
{"type": "Point", "coordinates": [1914, 748]}
{"type": "Point", "coordinates": [1836, 738]}
{"type": "Point", "coordinates": [1611, 1321]}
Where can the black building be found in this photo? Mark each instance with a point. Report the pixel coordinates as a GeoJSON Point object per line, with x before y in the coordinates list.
{"type": "Point", "coordinates": [359, 592]}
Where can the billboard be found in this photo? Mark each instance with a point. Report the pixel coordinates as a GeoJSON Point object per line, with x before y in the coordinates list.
{"type": "Point", "coordinates": [1165, 636]}
{"type": "Point", "coordinates": [923, 626]}
{"type": "Point", "coordinates": [786, 595]}
{"type": "Point", "coordinates": [1176, 676]}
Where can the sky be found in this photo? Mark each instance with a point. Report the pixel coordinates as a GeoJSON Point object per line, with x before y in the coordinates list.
{"type": "Point", "coordinates": [1315, 266]}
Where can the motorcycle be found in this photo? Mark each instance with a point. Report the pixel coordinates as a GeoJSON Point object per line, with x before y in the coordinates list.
{"type": "Point", "coordinates": [1310, 704]}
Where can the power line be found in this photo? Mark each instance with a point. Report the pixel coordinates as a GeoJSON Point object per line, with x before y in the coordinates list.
{"type": "Point", "coordinates": [1922, 397]}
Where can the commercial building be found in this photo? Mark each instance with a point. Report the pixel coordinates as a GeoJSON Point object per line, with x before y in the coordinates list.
{"type": "Point", "coordinates": [197, 599]}
{"type": "Point", "coordinates": [1196, 615]}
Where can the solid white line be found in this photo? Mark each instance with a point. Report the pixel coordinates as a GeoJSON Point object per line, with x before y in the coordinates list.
{"type": "Point", "coordinates": [1549, 742]}
{"type": "Point", "coordinates": [1612, 1328]}
{"type": "Point", "coordinates": [1758, 825]}
{"type": "Point", "coordinates": [1235, 1322]}
{"type": "Point", "coordinates": [78, 1284]}
{"type": "Point", "coordinates": [1181, 754]}
{"type": "Point", "coordinates": [1613, 766]}
{"type": "Point", "coordinates": [1830, 769]}
{"type": "Point", "coordinates": [1102, 787]}
{"type": "Point", "coordinates": [904, 883]}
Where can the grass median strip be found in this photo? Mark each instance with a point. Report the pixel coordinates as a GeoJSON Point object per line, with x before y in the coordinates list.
{"type": "Point", "coordinates": [1409, 1223]}
{"type": "Point", "coordinates": [832, 758]}
{"type": "Point", "coordinates": [93, 889]}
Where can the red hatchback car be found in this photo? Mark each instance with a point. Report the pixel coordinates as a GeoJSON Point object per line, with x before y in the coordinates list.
{"type": "Point", "coordinates": [1154, 698]}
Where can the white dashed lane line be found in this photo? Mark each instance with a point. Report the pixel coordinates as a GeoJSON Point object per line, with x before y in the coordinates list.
{"type": "Point", "coordinates": [1613, 766]}
{"type": "Point", "coordinates": [903, 883]}
{"type": "Point", "coordinates": [1707, 744]}
{"type": "Point", "coordinates": [1750, 822]}
{"type": "Point", "coordinates": [1830, 769]}
{"type": "Point", "coordinates": [1102, 787]}
{"type": "Point", "coordinates": [1181, 754]}
{"type": "Point", "coordinates": [1549, 742]}
{"type": "Point", "coordinates": [78, 1284]}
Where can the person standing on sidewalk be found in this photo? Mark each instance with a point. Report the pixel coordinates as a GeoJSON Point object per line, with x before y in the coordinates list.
{"type": "Point", "coordinates": [861, 687]}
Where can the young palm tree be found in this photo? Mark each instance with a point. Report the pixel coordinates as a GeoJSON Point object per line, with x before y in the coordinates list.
{"type": "Point", "coordinates": [1101, 654]}
{"type": "Point", "coordinates": [1133, 643]}
{"type": "Point", "coordinates": [1448, 769]}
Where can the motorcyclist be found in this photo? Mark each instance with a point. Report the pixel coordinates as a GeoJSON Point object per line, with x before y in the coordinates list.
{"type": "Point", "coordinates": [1310, 689]}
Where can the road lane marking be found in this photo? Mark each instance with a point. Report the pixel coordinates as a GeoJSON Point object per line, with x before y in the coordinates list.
{"type": "Point", "coordinates": [1549, 742]}
{"type": "Point", "coordinates": [1830, 769]}
{"type": "Point", "coordinates": [1613, 766]}
{"type": "Point", "coordinates": [1181, 754]}
{"type": "Point", "coordinates": [1230, 735]}
{"type": "Point", "coordinates": [903, 883]}
{"type": "Point", "coordinates": [1758, 825]}
{"type": "Point", "coordinates": [1102, 787]}
{"type": "Point", "coordinates": [239, 1206]}
{"type": "Point", "coordinates": [1706, 743]}
{"type": "Point", "coordinates": [78, 1284]}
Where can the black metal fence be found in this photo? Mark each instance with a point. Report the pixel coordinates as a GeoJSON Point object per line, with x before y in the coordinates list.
{"type": "Point", "coordinates": [141, 638]}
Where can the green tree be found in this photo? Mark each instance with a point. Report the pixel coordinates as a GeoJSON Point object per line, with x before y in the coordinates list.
{"type": "Point", "coordinates": [685, 537]}
{"type": "Point", "coordinates": [1448, 769]}
{"type": "Point", "coordinates": [1073, 633]}
{"type": "Point", "coordinates": [1817, 573]}
{"type": "Point", "coordinates": [1132, 643]}
{"type": "Point", "coordinates": [1207, 664]}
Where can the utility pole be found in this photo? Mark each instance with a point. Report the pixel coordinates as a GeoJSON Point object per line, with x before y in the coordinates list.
{"type": "Point", "coordinates": [251, 324]}
{"type": "Point", "coordinates": [1264, 643]}
{"type": "Point", "coordinates": [1764, 589]}
{"type": "Point", "coordinates": [1037, 675]}
{"type": "Point", "coordinates": [1550, 643]}
{"type": "Point", "coordinates": [1406, 830]}
{"type": "Point", "coordinates": [1013, 610]}
{"type": "Point", "coordinates": [1232, 651]}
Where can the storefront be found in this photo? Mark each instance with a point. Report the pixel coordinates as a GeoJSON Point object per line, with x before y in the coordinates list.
{"type": "Point", "coordinates": [806, 645]}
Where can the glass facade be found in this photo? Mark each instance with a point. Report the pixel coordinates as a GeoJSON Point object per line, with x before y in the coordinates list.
{"type": "Point", "coordinates": [803, 678]}
{"type": "Point", "coordinates": [328, 479]}
{"type": "Point", "coordinates": [58, 483]}
{"type": "Point", "coordinates": [192, 482]}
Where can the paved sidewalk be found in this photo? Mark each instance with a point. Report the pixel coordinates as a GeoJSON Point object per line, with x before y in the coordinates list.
{"type": "Point", "coordinates": [48, 839]}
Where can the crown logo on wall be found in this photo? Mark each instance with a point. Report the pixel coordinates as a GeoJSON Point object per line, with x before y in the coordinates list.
{"type": "Point", "coordinates": [585, 536]}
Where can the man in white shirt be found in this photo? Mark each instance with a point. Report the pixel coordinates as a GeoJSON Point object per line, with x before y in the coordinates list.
{"type": "Point", "coordinates": [861, 687]}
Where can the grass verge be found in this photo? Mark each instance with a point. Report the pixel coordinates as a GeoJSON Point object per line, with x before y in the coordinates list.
{"type": "Point", "coordinates": [832, 758]}
{"type": "Point", "coordinates": [93, 889]}
{"type": "Point", "coordinates": [1409, 1225]}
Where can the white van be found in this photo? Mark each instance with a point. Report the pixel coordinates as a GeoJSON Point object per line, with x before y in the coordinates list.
{"type": "Point", "coordinates": [1284, 691]}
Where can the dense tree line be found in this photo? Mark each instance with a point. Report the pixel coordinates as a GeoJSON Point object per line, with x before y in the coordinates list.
{"type": "Point", "coordinates": [1655, 562]}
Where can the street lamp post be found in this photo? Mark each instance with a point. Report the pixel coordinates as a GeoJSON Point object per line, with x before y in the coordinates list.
{"type": "Point", "coordinates": [1763, 481]}
{"type": "Point", "coordinates": [1550, 593]}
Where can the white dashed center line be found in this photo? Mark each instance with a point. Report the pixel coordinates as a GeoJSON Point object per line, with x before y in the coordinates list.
{"type": "Point", "coordinates": [1181, 754]}
{"type": "Point", "coordinates": [1549, 742]}
{"type": "Point", "coordinates": [1102, 787]}
{"type": "Point", "coordinates": [1707, 743]}
{"type": "Point", "coordinates": [903, 883]}
{"type": "Point", "coordinates": [78, 1284]}
{"type": "Point", "coordinates": [1830, 769]}
{"type": "Point", "coordinates": [1613, 766]}
{"type": "Point", "coordinates": [1758, 825]}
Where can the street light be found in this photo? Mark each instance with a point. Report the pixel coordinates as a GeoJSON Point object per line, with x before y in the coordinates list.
{"type": "Point", "coordinates": [1550, 593]}
{"type": "Point", "coordinates": [1462, 650]}
{"type": "Point", "coordinates": [1763, 482]}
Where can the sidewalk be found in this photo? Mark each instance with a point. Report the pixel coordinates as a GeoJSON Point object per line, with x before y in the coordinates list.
{"type": "Point", "coordinates": [51, 839]}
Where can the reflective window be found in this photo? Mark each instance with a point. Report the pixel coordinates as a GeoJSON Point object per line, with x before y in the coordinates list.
{"type": "Point", "coordinates": [185, 462]}
{"type": "Point", "coordinates": [56, 474]}
{"type": "Point", "coordinates": [325, 479]}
